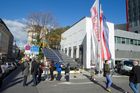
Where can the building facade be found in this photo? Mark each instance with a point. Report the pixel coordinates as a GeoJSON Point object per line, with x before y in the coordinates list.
{"type": "Point", "coordinates": [6, 40]}
{"type": "Point", "coordinates": [133, 15]}
{"type": "Point", "coordinates": [127, 45]}
{"type": "Point", "coordinates": [76, 42]}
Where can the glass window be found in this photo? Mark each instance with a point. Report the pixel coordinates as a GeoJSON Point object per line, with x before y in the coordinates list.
{"type": "Point", "coordinates": [128, 63]}
{"type": "Point", "coordinates": [118, 40]}
{"type": "Point", "coordinates": [139, 42]}
{"type": "Point", "coordinates": [131, 41]}
{"type": "Point", "coordinates": [115, 39]}
{"type": "Point", "coordinates": [127, 40]}
{"type": "Point", "coordinates": [123, 40]}
{"type": "Point", "coordinates": [135, 42]}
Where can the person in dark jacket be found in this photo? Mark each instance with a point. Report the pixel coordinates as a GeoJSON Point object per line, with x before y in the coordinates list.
{"type": "Point", "coordinates": [1, 79]}
{"type": "Point", "coordinates": [40, 71]}
{"type": "Point", "coordinates": [34, 71]}
{"type": "Point", "coordinates": [25, 71]}
{"type": "Point", "coordinates": [107, 75]}
{"type": "Point", "coordinates": [134, 78]}
{"type": "Point", "coordinates": [51, 67]}
{"type": "Point", "coordinates": [67, 72]}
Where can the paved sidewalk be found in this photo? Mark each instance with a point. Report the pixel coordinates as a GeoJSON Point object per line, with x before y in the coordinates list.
{"type": "Point", "coordinates": [13, 84]}
{"type": "Point", "coordinates": [79, 83]}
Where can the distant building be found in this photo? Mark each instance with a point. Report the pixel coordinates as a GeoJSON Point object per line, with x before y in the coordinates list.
{"type": "Point", "coordinates": [6, 40]}
{"type": "Point", "coordinates": [120, 26]}
{"type": "Point", "coordinates": [133, 15]}
{"type": "Point", "coordinates": [33, 34]}
{"type": "Point", "coordinates": [127, 45]}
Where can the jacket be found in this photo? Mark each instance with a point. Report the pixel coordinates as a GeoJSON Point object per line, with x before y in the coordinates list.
{"type": "Point", "coordinates": [135, 74]}
{"type": "Point", "coordinates": [106, 69]}
{"type": "Point", "coordinates": [26, 68]}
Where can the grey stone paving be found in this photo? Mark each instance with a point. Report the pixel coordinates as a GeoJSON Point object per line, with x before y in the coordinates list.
{"type": "Point", "coordinates": [80, 84]}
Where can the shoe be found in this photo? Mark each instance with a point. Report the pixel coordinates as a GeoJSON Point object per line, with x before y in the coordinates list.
{"type": "Point", "coordinates": [34, 85]}
{"type": "Point", "coordinates": [25, 85]}
{"type": "Point", "coordinates": [109, 90]}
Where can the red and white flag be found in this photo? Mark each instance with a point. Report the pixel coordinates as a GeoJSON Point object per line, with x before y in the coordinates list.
{"type": "Point", "coordinates": [105, 50]}
{"type": "Point", "coordinates": [95, 17]}
{"type": "Point", "coordinates": [100, 30]}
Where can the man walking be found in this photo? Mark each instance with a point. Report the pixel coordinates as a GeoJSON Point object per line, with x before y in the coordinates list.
{"type": "Point", "coordinates": [107, 75]}
{"type": "Point", "coordinates": [34, 71]}
{"type": "Point", "coordinates": [67, 72]}
{"type": "Point", "coordinates": [25, 71]}
{"type": "Point", "coordinates": [134, 79]}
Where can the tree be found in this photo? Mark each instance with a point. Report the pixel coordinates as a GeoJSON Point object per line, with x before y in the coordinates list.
{"type": "Point", "coordinates": [41, 19]}
{"type": "Point", "coordinates": [54, 37]}
{"type": "Point", "coordinates": [38, 21]}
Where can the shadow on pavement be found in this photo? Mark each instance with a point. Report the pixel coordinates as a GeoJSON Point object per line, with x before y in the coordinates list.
{"type": "Point", "coordinates": [31, 81]}
{"type": "Point", "coordinates": [118, 88]}
{"type": "Point", "coordinates": [94, 81]}
{"type": "Point", "coordinates": [12, 83]}
{"type": "Point", "coordinates": [9, 81]}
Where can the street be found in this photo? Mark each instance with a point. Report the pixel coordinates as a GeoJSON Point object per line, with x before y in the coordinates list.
{"type": "Point", "coordinates": [80, 84]}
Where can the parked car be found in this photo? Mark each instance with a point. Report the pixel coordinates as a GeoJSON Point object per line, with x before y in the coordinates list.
{"type": "Point", "coordinates": [125, 66]}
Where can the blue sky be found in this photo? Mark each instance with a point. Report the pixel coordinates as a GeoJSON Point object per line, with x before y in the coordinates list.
{"type": "Point", "coordinates": [66, 12]}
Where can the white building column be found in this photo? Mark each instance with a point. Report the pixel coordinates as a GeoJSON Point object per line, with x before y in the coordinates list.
{"type": "Point", "coordinates": [77, 51]}
{"type": "Point", "coordinates": [88, 44]}
{"type": "Point", "coordinates": [72, 52]}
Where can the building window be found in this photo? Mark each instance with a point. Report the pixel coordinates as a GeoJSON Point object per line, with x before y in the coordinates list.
{"type": "Point", "coordinates": [131, 41]}
{"type": "Point", "coordinates": [123, 40]}
{"type": "Point", "coordinates": [135, 23]}
{"type": "Point", "coordinates": [118, 40]}
{"type": "Point", "coordinates": [135, 42]}
{"type": "Point", "coordinates": [138, 42]}
{"type": "Point", "coordinates": [127, 40]}
{"type": "Point", "coordinates": [136, 31]}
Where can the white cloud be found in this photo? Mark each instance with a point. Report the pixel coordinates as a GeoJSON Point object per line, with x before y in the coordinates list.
{"type": "Point", "coordinates": [17, 28]}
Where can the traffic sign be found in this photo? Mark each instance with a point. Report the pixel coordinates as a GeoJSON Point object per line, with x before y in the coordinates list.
{"type": "Point", "coordinates": [35, 49]}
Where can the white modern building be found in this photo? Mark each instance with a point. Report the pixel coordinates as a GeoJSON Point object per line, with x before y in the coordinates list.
{"type": "Point", "coordinates": [76, 43]}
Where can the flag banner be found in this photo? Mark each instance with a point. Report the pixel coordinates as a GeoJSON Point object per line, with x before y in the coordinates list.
{"type": "Point", "coordinates": [95, 19]}
{"type": "Point", "coordinates": [95, 33]}
{"type": "Point", "coordinates": [100, 33]}
{"type": "Point", "coordinates": [105, 50]}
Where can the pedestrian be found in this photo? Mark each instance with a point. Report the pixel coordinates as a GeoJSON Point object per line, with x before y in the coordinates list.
{"type": "Point", "coordinates": [46, 69]}
{"type": "Point", "coordinates": [67, 72]}
{"type": "Point", "coordinates": [51, 67]}
{"type": "Point", "coordinates": [40, 71]}
{"type": "Point", "coordinates": [58, 69]}
{"type": "Point", "coordinates": [26, 67]}
{"type": "Point", "coordinates": [34, 71]}
{"type": "Point", "coordinates": [1, 77]}
{"type": "Point", "coordinates": [134, 78]}
{"type": "Point", "coordinates": [92, 72]}
{"type": "Point", "coordinates": [107, 75]}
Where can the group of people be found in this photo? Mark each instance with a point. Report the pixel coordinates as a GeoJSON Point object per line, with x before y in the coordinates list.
{"type": "Point", "coordinates": [36, 68]}
{"type": "Point", "coordinates": [134, 76]}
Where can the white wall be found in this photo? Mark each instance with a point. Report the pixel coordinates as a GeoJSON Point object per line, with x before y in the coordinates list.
{"type": "Point", "coordinates": [80, 34]}
{"type": "Point", "coordinates": [74, 36]}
